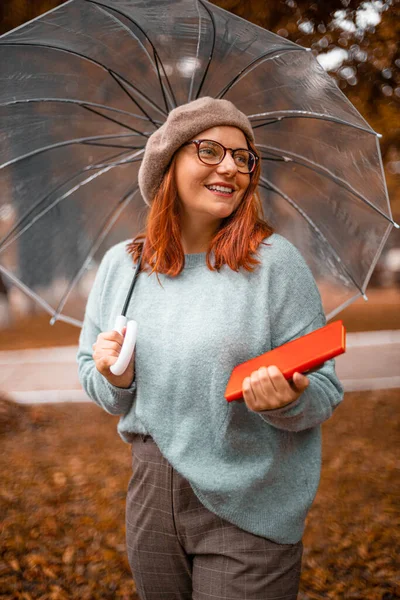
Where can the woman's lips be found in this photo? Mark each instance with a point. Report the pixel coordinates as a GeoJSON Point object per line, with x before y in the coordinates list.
{"type": "Point", "coordinates": [220, 192]}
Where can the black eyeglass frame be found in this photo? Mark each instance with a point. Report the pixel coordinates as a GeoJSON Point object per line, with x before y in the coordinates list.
{"type": "Point", "coordinates": [232, 151]}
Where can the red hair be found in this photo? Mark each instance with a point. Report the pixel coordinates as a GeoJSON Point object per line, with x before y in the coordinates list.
{"type": "Point", "coordinates": [234, 244]}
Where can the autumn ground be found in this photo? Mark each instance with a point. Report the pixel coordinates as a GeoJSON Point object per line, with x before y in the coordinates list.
{"type": "Point", "coordinates": [64, 479]}
{"type": "Point", "coordinates": [65, 472]}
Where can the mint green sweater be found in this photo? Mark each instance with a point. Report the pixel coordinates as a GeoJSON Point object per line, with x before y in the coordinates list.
{"type": "Point", "coordinates": [259, 471]}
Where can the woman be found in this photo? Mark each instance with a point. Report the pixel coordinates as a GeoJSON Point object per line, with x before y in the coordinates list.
{"type": "Point", "coordinates": [219, 492]}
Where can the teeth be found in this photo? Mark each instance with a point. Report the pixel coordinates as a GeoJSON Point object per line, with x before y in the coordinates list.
{"type": "Point", "coordinates": [220, 188]}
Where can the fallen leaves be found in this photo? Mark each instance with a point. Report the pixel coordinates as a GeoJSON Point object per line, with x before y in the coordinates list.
{"type": "Point", "coordinates": [352, 537]}
{"type": "Point", "coordinates": [64, 478]}
{"type": "Point", "coordinates": [63, 501]}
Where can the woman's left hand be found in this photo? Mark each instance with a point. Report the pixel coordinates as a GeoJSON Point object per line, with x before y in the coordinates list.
{"type": "Point", "coordinates": [267, 389]}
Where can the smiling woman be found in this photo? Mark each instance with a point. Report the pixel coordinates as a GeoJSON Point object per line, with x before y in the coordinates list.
{"type": "Point", "coordinates": [174, 177]}
{"type": "Point", "coordinates": [208, 192]}
{"type": "Point", "coordinates": [219, 493]}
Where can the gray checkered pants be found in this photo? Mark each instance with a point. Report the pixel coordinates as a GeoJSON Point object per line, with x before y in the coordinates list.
{"type": "Point", "coordinates": [179, 550]}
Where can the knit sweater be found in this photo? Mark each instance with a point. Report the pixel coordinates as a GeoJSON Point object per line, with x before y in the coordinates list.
{"type": "Point", "coordinates": [258, 470]}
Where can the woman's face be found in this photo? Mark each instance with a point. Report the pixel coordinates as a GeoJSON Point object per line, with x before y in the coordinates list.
{"type": "Point", "coordinates": [196, 181]}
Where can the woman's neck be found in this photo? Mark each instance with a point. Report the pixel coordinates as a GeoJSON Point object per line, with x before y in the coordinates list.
{"type": "Point", "coordinates": [197, 239]}
{"type": "Point", "coordinates": [195, 247]}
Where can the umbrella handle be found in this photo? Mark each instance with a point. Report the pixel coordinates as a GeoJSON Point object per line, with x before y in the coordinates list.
{"type": "Point", "coordinates": [128, 345]}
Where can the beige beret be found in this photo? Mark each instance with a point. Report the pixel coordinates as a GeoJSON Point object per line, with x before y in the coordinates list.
{"type": "Point", "coordinates": [182, 124]}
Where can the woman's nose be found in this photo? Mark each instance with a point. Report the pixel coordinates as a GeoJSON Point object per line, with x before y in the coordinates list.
{"type": "Point", "coordinates": [228, 165]}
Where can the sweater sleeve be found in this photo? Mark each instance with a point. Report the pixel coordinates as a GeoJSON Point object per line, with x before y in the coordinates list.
{"type": "Point", "coordinates": [296, 309]}
{"type": "Point", "coordinates": [114, 400]}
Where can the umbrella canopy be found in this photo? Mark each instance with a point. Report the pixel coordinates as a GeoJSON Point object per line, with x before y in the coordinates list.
{"type": "Point", "coordinates": [85, 85]}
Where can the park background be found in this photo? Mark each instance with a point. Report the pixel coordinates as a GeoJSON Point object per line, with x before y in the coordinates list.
{"type": "Point", "coordinates": [64, 468]}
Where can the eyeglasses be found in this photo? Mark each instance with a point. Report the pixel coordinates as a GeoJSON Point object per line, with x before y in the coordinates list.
{"type": "Point", "coordinates": [213, 153]}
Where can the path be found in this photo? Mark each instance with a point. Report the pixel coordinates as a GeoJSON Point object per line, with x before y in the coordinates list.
{"type": "Point", "coordinates": [372, 361]}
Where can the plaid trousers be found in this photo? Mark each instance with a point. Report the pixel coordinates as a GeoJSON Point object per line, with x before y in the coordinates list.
{"type": "Point", "coordinates": [179, 550]}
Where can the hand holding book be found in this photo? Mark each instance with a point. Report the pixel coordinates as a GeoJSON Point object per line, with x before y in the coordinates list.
{"type": "Point", "coordinates": [302, 355]}
{"type": "Point", "coordinates": [267, 388]}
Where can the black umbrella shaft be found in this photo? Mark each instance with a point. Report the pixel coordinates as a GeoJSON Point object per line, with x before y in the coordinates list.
{"type": "Point", "coordinates": [130, 292]}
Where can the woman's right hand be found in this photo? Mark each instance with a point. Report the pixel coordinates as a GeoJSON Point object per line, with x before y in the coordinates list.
{"type": "Point", "coordinates": [105, 353]}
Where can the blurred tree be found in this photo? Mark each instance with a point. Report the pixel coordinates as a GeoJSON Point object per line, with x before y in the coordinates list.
{"type": "Point", "coordinates": [356, 41]}
{"type": "Point", "coordinates": [15, 12]}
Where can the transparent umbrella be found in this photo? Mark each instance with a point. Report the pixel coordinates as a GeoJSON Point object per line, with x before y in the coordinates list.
{"type": "Point", "coordinates": [85, 85]}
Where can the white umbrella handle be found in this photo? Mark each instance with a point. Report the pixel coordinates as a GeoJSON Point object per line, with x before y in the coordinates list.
{"type": "Point", "coordinates": [128, 345]}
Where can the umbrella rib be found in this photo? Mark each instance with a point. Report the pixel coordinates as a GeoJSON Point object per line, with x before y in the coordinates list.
{"type": "Point", "coordinates": [116, 136]}
{"type": "Point", "coordinates": [79, 102]}
{"type": "Point", "coordinates": [140, 107]}
{"type": "Point", "coordinates": [109, 13]}
{"type": "Point", "coordinates": [59, 145]}
{"type": "Point", "coordinates": [111, 145]}
{"type": "Point", "coordinates": [26, 290]}
{"type": "Point", "coordinates": [107, 224]}
{"type": "Point", "coordinates": [211, 55]}
{"type": "Point", "coordinates": [5, 241]}
{"type": "Point", "coordinates": [300, 114]}
{"type": "Point", "coordinates": [96, 112]}
{"type": "Point", "coordinates": [119, 163]}
{"type": "Point", "coordinates": [265, 183]}
{"type": "Point", "coordinates": [56, 312]}
{"type": "Point", "coordinates": [95, 62]}
{"type": "Point", "coordinates": [155, 53]}
{"type": "Point", "coordinates": [397, 226]}
{"type": "Point", "coordinates": [309, 164]}
{"type": "Point", "coordinates": [377, 256]}
{"type": "Point", "coordinates": [264, 57]}
{"type": "Point", "coordinates": [53, 204]}
{"type": "Point", "coordinates": [197, 52]}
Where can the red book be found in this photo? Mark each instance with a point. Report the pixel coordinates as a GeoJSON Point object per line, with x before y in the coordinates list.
{"type": "Point", "coordinates": [303, 355]}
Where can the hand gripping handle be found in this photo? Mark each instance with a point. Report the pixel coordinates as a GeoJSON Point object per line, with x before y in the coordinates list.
{"type": "Point", "coordinates": [128, 345]}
